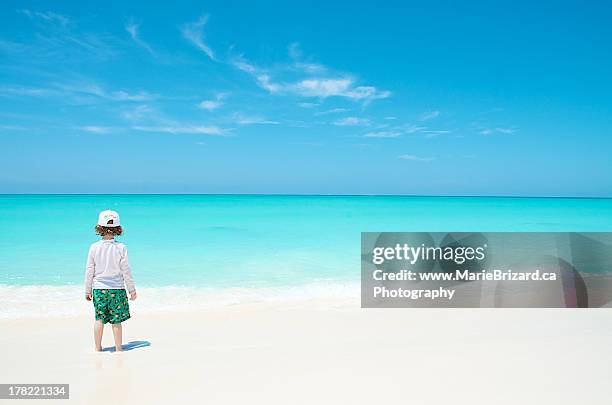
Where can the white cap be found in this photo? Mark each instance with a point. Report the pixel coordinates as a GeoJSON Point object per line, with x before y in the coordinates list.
{"type": "Point", "coordinates": [109, 218]}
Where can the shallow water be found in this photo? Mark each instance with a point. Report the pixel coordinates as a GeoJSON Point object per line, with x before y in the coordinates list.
{"type": "Point", "coordinates": [252, 240]}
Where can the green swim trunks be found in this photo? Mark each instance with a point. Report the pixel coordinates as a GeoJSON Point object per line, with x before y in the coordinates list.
{"type": "Point", "coordinates": [111, 305]}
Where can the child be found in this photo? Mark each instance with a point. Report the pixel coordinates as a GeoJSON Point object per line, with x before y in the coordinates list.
{"type": "Point", "coordinates": [106, 273]}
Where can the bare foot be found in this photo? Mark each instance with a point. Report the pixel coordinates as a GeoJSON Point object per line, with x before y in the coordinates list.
{"type": "Point", "coordinates": [120, 349]}
{"type": "Point", "coordinates": [98, 349]}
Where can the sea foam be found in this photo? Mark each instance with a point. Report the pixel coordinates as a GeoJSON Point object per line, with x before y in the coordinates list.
{"type": "Point", "coordinates": [42, 301]}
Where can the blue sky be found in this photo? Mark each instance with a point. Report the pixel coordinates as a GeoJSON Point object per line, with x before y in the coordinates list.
{"type": "Point", "coordinates": [436, 98]}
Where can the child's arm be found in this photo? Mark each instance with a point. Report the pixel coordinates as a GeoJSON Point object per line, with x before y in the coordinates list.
{"type": "Point", "coordinates": [89, 273]}
{"type": "Point", "coordinates": [124, 265]}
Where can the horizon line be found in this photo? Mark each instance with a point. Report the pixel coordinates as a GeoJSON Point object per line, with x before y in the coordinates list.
{"type": "Point", "coordinates": [313, 195]}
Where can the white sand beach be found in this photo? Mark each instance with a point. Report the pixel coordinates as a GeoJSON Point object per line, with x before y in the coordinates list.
{"type": "Point", "coordinates": [318, 352]}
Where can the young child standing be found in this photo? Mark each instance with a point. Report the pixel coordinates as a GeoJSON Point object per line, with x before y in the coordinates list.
{"type": "Point", "coordinates": [106, 274]}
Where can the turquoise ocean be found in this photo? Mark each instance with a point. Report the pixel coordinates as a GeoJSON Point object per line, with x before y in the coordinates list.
{"type": "Point", "coordinates": [224, 249]}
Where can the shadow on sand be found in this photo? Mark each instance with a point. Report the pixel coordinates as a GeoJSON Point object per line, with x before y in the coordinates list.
{"type": "Point", "coordinates": [135, 344]}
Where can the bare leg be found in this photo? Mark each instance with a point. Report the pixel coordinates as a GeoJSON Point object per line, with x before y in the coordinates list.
{"type": "Point", "coordinates": [117, 334]}
{"type": "Point", "coordinates": [98, 330]}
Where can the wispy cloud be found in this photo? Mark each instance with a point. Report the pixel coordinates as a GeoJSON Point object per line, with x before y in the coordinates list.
{"type": "Point", "coordinates": [12, 128]}
{"type": "Point", "coordinates": [434, 133]}
{"type": "Point", "coordinates": [194, 33]}
{"type": "Point", "coordinates": [411, 128]}
{"type": "Point", "coordinates": [11, 46]}
{"type": "Point", "coordinates": [191, 129]}
{"type": "Point", "coordinates": [430, 115]}
{"type": "Point", "coordinates": [296, 54]}
{"type": "Point", "coordinates": [317, 87]}
{"type": "Point", "coordinates": [332, 111]}
{"type": "Point", "coordinates": [210, 105]}
{"type": "Point", "coordinates": [415, 158]}
{"type": "Point", "coordinates": [132, 28]}
{"type": "Point", "coordinates": [60, 40]}
{"type": "Point", "coordinates": [146, 119]}
{"type": "Point", "coordinates": [262, 78]}
{"type": "Point", "coordinates": [77, 89]}
{"type": "Point", "coordinates": [493, 131]}
{"type": "Point", "coordinates": [24, 91]}
{"type": "Point", "coordinates": [96, 129]}
{"type": "Point", "coordinates": [242, 64]}
{"type": "Point", "coordinates": [122, 95]}
{"type": "Point", "coordinates": [340, 87]}
{"type": "Point", "coordinates": [265, 82]}
{"type": "Point", "coordinates": [382, 134]}
{"type": "Point", "coordinates": [213, 104]}
{"type": "Point", "coordinates": [81, 91]}
{"type": "Point", "coordinates": [250, 120]}
{"type": "Point", "coordinates": [136, 113]}
{"type": "Point", "coordinates": [93, 89]}
{"type": "Point", "coordinates": [351, 121]}
{"type": "Point", "coordinates": [421, 129]}
{"type": "Point", "coordinates": [168, 129]}
{"type": "Point", "coordinates": [48, 16]}
{"type": "Point", "coordinates": [308, 67]}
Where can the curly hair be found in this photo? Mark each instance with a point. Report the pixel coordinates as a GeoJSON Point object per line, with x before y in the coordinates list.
{"type": "Point", "coordinates": [109, 230]}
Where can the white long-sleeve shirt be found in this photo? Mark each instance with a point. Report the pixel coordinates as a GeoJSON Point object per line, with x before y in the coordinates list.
{"type": "Point", "coordinates": [108, 267]}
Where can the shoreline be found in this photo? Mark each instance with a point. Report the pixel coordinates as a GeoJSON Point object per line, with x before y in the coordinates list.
{"type": "Point", "coordinates": [35, 301]}
{"type": "Point", "coordinates": [62, 301]}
